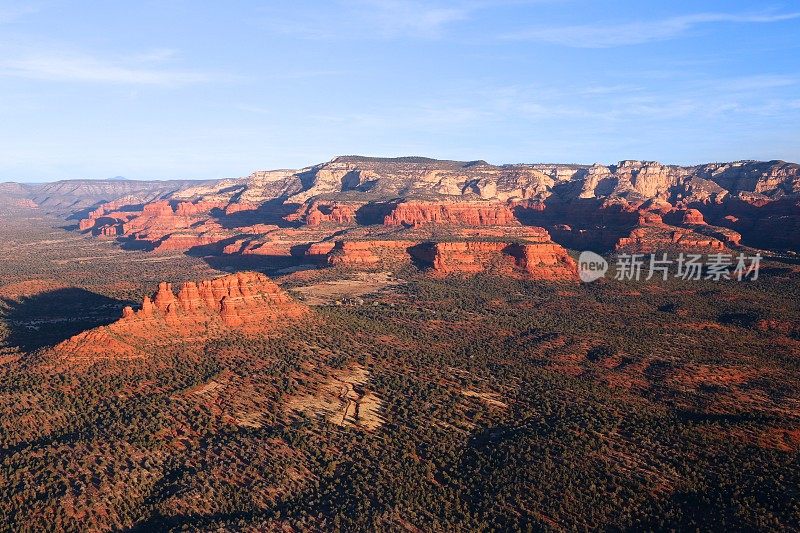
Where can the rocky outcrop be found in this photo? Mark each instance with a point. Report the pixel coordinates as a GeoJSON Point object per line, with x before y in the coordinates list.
{"type": "Point", "coordinates": [107, 220]}
{"type": "Point", "coordinates": [460, 213]}
{"type": "Point", "coordinates": [186, 241]}
{"type": "Point", "coordinates": [539, 261]}
{"type": "Point", "coordinates": [248, 301]}
{"type": "Point", "coordinates": [246, 298]}
{"type": "Point", "coordinates": [320, 250]}
{"type": "Point", "coordinates": [368, 253]}
{"type": "Point", "coordinates": [168, 226]}
{"type": "Point", "coordinates": [317, 213]}
{"type": "Point", "coordinates": [458, 257]}
{"type": "Point", "coordinates": [650, 239]}
{"type": "Point", "coordinates": [543, 261]}
{"type": "Point", "coordinates": [691, 217]}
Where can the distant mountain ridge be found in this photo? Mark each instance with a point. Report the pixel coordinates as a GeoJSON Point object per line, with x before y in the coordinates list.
{"type": "Point", "coordinates": [641, 205]}
{"type": "Point", "coordinates": [72, 197]}
{"type": "Point", "coordinates": [361, 211]}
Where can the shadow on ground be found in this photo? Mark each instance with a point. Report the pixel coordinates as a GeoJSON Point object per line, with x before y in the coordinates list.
{"type": "Point", "coordinates": [271, 265]}
{"type": "Point", "coordinates": [46, 319]}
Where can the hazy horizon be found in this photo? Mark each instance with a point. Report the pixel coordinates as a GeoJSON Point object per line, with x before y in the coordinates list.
{"type": "Point", "coordinates": [605, 163]}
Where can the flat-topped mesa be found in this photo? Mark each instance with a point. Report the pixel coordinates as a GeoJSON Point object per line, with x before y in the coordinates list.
{"type": "Point", "coordinates": [537, 261]}
{"type": "Point", "coordinates": [248, 301]}
{"type": "Point", "coordinates": [460, 213]}
{"type": "Point", "coordinates": [543, 261]}
{"type": "Point", "coordinates": [648, 239]}
{"type": "Point", "coordinates": [161, 216]}
{"type": "Point", "coordinates": [367, 253]}
{"type": "Point", "coordinates": [458, 257]}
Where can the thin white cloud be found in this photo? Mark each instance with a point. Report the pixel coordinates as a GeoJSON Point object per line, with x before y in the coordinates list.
{"type": "Point", "coordinates": [75, 67]}
{"type": "Point", "coordinates": [614, 108]}
{"type": "Point", "coordinates": [9, 14]}
{"type": "Point", "coordinates": [639, 32]}
{"type": "Point", "coordinates": [359, 19]}
{"type": "Point", "coordinates": [407, 17]}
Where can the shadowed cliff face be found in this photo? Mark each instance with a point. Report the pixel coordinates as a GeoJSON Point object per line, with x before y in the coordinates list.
{"type": "Point", "coordinates": [46, 319]}
{"type": "Point", "coordinates": [596, 207]}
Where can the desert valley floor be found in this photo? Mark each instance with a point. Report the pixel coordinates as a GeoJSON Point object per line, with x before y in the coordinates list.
{"type": "Point", "coordinates": [428, 403]}
{"type": "Point", "coordinates": [186, 389]}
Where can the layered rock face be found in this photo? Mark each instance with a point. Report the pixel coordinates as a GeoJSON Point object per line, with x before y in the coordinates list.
{"type": "Point", "coordinates": [108, 219]}
{"type": "Point", "coordinates": [641, 204]}
{"type": "Point", "coordinates": [539, 261]}
{"type": "Point", "coordinates": [692, 216]}
{"type": "Point", "coordinates": [244, 299]}
{"type": "Point", "coordinates": [165, 225]}
{"type": "Point", "coordinates": [368, 252]}
{"type": "Point", "coordinates": [317, 213]}
{"type": "Point", "coordinates": [653, 239]}
{"type": "Point", "coordinates": [468, 214]}
{"type": "Point", "coordinates": [248, 302]}
{"type": "Point", "coordinates": [458, 257]}
{"type": "Point", "coordinates": [544, 261]}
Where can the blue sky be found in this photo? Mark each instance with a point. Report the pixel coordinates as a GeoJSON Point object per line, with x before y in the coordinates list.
{"type": "Point", "coordinates": [206, 89]}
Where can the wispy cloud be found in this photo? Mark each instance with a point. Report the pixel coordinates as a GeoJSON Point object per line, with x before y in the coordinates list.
{"type": "Point", "coordinates": [375, 19]}
{"type": "Point", "coordinates": [404, 17]}
{"type": "Point", "coordinates": [53, 65]}
{"type": "Point", "coordinates": [10, 14]}
{"type": "Point", "coordinates": [638, 32]}
{"type": "Point", "coordinates": [614, 108]}
{"type": "Point", "coordinates": [688, 99]}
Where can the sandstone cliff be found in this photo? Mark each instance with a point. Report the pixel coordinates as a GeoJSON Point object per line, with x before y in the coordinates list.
{"type": "Point", "coordinates": [539, 261]}
{"type": "Point", "coordinates": [248, 302]}
{"type": "Point", "coordinates": [599, 207]}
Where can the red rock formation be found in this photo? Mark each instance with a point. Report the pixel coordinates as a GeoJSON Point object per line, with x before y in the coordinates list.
{"type": "Point", "coordinates": [650, 218]}
{"type": "Point", "coordinates": [583, 207]}
{"type": "Point", "coordinates": [188, 209]}
{"type": "Point", "coordinates": [86, 224]}
{"type": "Point", "coordinates": [320, 250]}
{"type": "Point", "coordinates": [317, 213]}
{"type": "Point", "coordinates": [112, 230]}
{"type": "Point", "coordinates": [368, 252]}
{"type": "Point", "coordinates": [464, 213]}
{"type": "Point", "coordinates": [693, 216]}
{"type": "Point", "coordinates": [458, 257]}
{"type": "Point", "coordinates": [186, 241]}
{"type": "Point", "coordinates": [239, 207]}
{"type": "Point", "coordinates": [107, 220]}
{"type": "Point", "coordinates": [186, 226]}
{"type": "Point", "coordinates": [647, 240]}
{"type": "Point", "coordinates": [246, 301]}
{"type": "Point", "coordinates": [542, 261]}
{"type": "Point", "coordinates": [762, 223]}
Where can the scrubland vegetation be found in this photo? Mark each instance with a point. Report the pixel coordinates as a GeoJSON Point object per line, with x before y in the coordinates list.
{"type": "Point", "coordinates": [505, 406]}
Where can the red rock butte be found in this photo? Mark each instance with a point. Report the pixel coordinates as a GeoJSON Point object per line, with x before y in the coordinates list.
{"type": "Point", "coordinates": [248, 302]}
